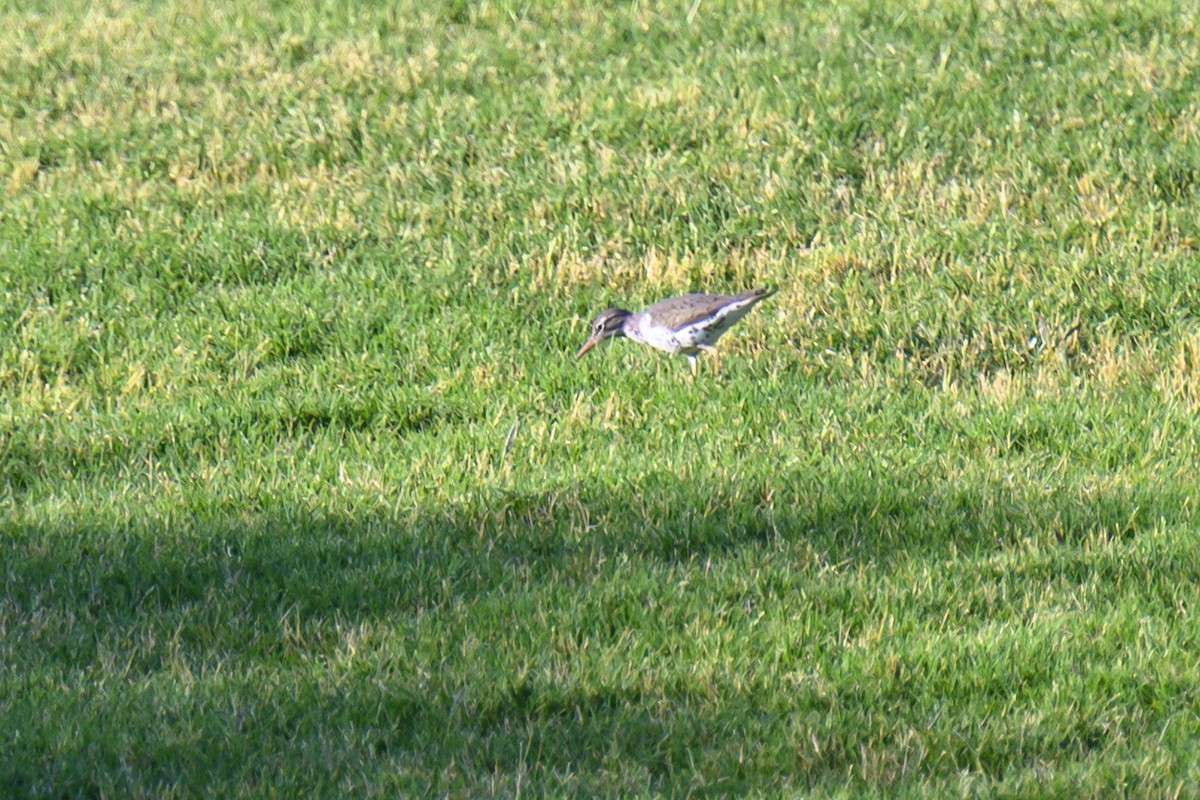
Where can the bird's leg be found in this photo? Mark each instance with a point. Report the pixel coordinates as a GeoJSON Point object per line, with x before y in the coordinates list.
{"type": "Point", "coordinates": [716, 360]}
{"type": "Point", "coordinates": [692, 360]}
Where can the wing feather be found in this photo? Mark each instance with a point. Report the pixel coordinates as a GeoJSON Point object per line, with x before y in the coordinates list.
{"type": "Point", "coordinates": [679, 313]}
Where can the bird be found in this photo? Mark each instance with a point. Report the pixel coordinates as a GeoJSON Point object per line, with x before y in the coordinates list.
{"type": "Point", "coordinates": [689, 324]}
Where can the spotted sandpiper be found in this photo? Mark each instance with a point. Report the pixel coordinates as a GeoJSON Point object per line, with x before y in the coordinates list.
{"type": "Point", "coordinates": [687, 324]}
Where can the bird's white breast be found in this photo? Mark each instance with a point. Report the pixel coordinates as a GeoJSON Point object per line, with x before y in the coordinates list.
{"type": "Point", "coordinates": [642, 330]}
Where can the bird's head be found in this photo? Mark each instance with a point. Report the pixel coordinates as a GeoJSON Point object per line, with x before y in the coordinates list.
{"type": "Point", "coordinates": [610, 323]}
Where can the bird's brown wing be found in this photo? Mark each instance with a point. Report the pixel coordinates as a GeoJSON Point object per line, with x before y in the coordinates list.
{"type": "Point", "coordinates": [680, 312]}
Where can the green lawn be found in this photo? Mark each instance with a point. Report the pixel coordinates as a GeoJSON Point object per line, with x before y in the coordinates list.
{"type": "Point", "coordinates": [302, 492]}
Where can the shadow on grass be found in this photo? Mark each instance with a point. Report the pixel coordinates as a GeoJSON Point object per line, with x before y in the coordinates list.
{"type": "Point", "coordinates": [449, 653]}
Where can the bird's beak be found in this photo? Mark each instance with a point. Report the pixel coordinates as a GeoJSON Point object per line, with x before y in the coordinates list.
{"type": "Point", "coordinates": [590, 344]}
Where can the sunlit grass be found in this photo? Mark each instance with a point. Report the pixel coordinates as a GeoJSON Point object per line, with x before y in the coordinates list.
{"type": "Point", "coordinates": [302, 492]}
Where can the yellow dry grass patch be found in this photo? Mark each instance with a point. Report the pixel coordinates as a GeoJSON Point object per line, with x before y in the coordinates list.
{"type": "Point", "coordinates": [1180, 381]}
{"type": "Point", "coordinates": [1099, 200]}
{"type": "Point", "coordinates": [1116, 364]}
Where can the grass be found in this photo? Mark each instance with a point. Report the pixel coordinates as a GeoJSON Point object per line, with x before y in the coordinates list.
{"type": "Point", "coordinates": [302, 494]}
